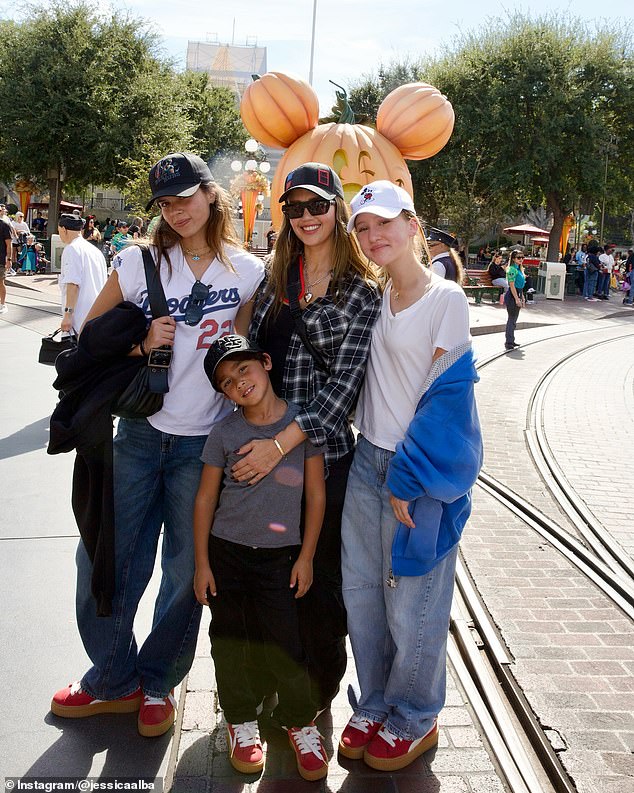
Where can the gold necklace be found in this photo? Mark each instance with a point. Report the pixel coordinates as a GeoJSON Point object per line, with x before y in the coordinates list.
{"type": "Point", "coordinates": [196, 255]}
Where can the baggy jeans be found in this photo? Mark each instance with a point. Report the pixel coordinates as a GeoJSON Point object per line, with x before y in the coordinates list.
{"type": "Point", "coordinates": [156, 478]}
{"type": "Point", "coordinates": [398, 633]}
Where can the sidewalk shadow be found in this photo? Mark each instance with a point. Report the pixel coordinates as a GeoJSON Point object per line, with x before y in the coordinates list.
{"type": "Point", "coordinates": [27, 439]}
{"type": "Point", "coordinates": [127, 754]}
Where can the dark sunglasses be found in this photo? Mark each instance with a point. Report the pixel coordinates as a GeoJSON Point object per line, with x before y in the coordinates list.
{"type": "Point", "coordinates": [196, 303]}
{"type": "Point", "coordinates": [318, 206]}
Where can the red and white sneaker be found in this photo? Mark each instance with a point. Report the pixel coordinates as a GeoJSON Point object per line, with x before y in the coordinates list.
{"type": "Point", "coordinates": [156, 715]}
{"type": "Point", "coordinates": [312, 760]}
{"type": "Point", "coordinates": [73, 702]}
{"type": "Point", "coordinates": [357, 734]}
{"type": "Point", "coordinates": [245, 747]}
{"type": "Point", "coordinates": [388, 752]}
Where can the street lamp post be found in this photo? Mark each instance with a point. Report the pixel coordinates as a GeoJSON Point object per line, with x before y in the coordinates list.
{"type": "Point", "coordinates": [251, 183]}
{"type": "Point", "coordinates": [312, 44]}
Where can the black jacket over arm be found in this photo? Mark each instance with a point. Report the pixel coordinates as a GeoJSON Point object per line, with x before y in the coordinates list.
{"type": "Point", "coordinates": [89, 379]}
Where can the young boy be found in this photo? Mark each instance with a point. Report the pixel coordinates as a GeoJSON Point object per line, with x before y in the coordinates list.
{"type": "Point", "coordinates": [254, 564]}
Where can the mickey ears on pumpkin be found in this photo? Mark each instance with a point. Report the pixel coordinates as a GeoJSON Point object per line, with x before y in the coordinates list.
{"type": "Point", "coordinates": [417, 119]}
{"type": "Point", "coordinates": [278, 109]}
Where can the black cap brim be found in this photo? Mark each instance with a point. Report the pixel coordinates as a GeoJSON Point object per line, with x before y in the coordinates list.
{"type": "Point", "coordinates": [327, 194]}
{"type": "Point", "coordinates": [184, 193]}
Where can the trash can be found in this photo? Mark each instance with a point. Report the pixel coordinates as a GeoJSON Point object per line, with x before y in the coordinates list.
{"type": "Point", "coordinates": [555, 280]}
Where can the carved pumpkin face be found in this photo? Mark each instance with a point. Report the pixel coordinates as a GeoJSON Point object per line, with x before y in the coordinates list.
{"type": "Point", "coordinates": [358, 154]}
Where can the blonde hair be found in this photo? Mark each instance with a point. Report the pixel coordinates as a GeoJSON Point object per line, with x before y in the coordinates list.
{"type": "Point", "coordinates": [346, 256]}
{"type": "Point", "coordinates": [219, 231]}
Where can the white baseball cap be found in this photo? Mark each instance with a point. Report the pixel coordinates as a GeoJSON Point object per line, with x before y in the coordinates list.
{"type": "Point", "coordinates": [380, 198]}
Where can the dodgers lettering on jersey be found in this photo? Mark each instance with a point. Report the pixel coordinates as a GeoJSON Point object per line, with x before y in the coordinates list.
{"type": "Point", "coordinates": [217, 300]}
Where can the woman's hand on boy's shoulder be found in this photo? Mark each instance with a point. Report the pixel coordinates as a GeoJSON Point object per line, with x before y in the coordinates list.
{"type": "Point", "coordinates": [302, 576]}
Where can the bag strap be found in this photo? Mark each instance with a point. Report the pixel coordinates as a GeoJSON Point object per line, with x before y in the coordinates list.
{"type": "Point", "coordinates": [156, 295]}
{"type": "Point", "coordinates": [292, 291]}
{"type": "Point", "coordinates": [157, 376]}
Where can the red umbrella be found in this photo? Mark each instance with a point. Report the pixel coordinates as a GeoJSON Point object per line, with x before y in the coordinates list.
{"type": "Point", "coordinates": [526, 230]}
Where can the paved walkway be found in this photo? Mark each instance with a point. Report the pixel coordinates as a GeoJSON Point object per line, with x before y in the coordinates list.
{"type": "Point", "coordinates": [573, 651]}
{"type": "Point", "coordinates": [573, 654]}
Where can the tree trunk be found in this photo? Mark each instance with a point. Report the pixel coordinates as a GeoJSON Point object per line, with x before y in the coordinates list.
{"type": "Point", "coordinates": [555, 205]}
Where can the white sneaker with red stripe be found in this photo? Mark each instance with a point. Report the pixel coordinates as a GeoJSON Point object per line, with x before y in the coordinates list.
{"type": "Point", "coordinates": [388, 752]}
{"type": "Point", "coordinates": [245, 747]}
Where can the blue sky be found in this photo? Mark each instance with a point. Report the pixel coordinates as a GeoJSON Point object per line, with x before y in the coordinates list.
{"type": "Point", "coordinates": [352, 36]}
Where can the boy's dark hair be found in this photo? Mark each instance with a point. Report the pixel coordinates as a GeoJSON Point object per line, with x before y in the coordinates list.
{"type": "Point", "coordinates": [231, 347]}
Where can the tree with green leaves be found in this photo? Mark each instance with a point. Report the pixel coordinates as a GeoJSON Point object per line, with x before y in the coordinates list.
{"type": "Point", "coordinates": [85, 99]}
{"type": "Point", "coordinates": [539, 102]}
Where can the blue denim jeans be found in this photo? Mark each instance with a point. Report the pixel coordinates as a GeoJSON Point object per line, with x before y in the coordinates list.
{"type": "Point", "coordinates": [156, 478]}
{"type": "Point", "coordinates": [590, 284]}
{"type": "Point", "coordinates": [398, 627]}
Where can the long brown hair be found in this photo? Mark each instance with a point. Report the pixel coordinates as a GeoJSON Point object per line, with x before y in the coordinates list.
{"type": "Point", "coordinates": [219, 231]}
{"type": "Point", "coordinates": [346, 256]}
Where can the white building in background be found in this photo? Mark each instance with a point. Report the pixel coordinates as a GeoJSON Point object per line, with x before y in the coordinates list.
{"type": "Point", "coordinates": [228, 65]}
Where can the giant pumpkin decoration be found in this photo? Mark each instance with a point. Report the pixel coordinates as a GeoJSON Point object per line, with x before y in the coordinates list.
{"type": "Point", "coordinates": [414, 121]}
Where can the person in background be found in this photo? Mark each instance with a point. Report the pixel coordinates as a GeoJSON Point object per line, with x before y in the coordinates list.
{"type": "Point", "coordinates": [21, 229]}
{"type": "Point", "coordinates": [83, 274]}
{"type": "Point", "coordinates": [592, 268]}
{"type": "Point", "coordinates": [91, 232]}
{"type": "Point", "coordinates": [6, 236]}
{"type": "Point", "coordinates": [271, 236]}
{"type": "Point", "coordinates": [121, 238]}
{"type": "Point", "coordinates": [109, 230]}
{"type": "Point", "coordinates": [497, 271]}
{"type": "Point", "coordinates": [443, 249]}
{"type": "Point", "coordinates": [514, 297]}
{"type": "Point", "coordinates": [605, 274]}
{"type": "Point", "coordinates": [39, 224]}
{"type": "Point", "coordinates": [580, 267]}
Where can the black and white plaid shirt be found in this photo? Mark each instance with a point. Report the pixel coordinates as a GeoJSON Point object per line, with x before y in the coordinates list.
{"type": "Point", "coordinates": [342, 333]}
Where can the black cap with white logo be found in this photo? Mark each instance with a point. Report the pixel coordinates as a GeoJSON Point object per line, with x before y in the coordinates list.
{"type": "Point", "coordinates": [179, 174]}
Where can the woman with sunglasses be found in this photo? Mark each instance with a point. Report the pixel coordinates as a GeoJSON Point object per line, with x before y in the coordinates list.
{"type": "Point", "coordinates": [208, 280]}
{"type": "Point", "coordinates": [418, 455]}
{"type": "Point", "coordinates": [338, 303]}
{"type": "Point", "coordinates": [514, 296]}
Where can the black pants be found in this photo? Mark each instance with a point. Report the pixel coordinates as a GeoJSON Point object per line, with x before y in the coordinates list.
{"type": "Point", "coordinates": [513, 312]}
{"type": "Point", "coordinates": [255, 613]}
{"type": "Point", "coordinates": [322, 614]}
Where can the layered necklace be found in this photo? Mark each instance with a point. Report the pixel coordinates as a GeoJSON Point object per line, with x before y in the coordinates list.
{"type": "Point", "coordinates": [308, 295]}
{"type": "Point", "coordinates": [196, 255]}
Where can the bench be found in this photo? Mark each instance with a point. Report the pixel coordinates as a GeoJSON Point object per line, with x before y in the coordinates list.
{"type": "Point", "coordinates": [478, 283]}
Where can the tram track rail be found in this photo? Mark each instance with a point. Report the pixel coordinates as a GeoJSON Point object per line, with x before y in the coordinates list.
{"type": "Point", "coordinates": [476, 650]}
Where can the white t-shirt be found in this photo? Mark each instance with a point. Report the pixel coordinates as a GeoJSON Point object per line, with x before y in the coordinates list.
{"type": "Point", "coordinates": [20, 226]}
{"type": "Point", "coordinates": [192, 406]}
{"type": "Point", "coordinates": [401, 355]}
{"type": "Point", "coordinates": [436, 265]}
{"type": "Point", "coordinates": [85, 266]}
{"type": "Point", "coordinates": [607, 260]}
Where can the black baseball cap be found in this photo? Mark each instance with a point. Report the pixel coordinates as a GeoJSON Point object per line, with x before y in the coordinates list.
{"type": "Point", "coordinates": [438, 235]}
{"type": "Point", "coordinates": [316, 177]}
{"type": "Point", "coordinates": [231, 346]}
{"type": "Point", "coordinates": [179, 174]}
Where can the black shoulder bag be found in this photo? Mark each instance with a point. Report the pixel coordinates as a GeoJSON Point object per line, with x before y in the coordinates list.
{"type": "Point", "coordinates": [144, 396]}
{"type": "Point", "coordinates": [292, 290]}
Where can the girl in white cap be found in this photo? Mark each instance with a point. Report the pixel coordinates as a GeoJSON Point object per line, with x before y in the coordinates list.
{"type": "Point", "coordinates": [408, 494]}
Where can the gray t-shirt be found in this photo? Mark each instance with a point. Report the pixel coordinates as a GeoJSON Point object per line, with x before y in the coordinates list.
{"type": "Point", "coordinates": [267, 514]}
